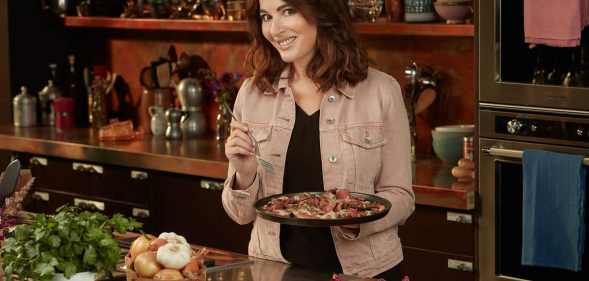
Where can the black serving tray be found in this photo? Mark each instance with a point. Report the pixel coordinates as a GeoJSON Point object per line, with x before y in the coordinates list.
{"type": "Point", "coordinates": [291, 220]}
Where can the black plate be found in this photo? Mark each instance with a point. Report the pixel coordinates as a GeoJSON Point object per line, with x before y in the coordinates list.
{"type": "Point", "coordinates": [322, 222]}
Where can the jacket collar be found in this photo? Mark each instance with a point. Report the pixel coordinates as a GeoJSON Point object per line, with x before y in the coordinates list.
{"type": "Point", "coordinates": [282, 83]}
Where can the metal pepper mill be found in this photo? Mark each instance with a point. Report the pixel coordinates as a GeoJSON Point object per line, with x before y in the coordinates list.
{"type": "Point", "coordinates": [46, 98]}
{"type": "Point", "coordinates": [24, 109]}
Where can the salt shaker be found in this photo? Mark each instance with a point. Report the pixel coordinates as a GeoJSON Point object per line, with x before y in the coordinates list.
{"type": "Point", "coordinates": [173, 130]}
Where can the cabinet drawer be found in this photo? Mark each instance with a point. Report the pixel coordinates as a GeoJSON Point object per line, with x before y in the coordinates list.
{"type": "Point", "coordinates": [440, 230]}
{"type": "Point", "coordinates": [39, 201]}
{"type": "Point", "coordinates": [43, 201]}
{"type": "Point", "coordinates": [422, 265]}
{"type": "Point", "coordinates": [64, 175]}
{"type": "Point", "coordinates": [141, 214]}
{"type": "Point", "coordinates": [192, 208]}
{"type": "Point", "coordinates": [91, 179]}
{"type": "Point", "coordinates": [125, 184]}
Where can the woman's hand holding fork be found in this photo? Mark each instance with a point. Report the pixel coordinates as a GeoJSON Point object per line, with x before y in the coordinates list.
{"type": "Point", "coordinates": [240, 151]}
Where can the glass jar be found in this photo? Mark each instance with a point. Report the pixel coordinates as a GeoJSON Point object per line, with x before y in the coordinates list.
{"type": "Point", "coordinates": [365, 10]}
{"type": "Point", "coordinates": [394, 10]}
{"type": "Point", "coordinates": [419, 11]}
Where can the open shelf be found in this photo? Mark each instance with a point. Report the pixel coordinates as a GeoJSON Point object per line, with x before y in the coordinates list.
{"type": "Point", "coordinates": [378, 28]}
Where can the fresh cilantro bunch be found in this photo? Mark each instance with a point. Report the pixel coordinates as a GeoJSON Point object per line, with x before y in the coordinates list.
{"type": "Point", "coordinates": [68, 242]}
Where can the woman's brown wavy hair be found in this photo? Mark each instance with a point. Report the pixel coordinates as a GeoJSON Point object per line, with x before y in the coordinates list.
{"type": "Point", "coordinates": [338, 60]}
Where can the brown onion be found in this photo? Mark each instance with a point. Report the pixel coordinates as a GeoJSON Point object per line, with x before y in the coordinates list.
{"type": "Point", "coordinates": [193, 268]}
{"type": "Point", "coordinates": [146, 264]}
{"type": "Point", "coordinates": [140, 245]}
{"type": "Point", "coordinates": [168, 274]}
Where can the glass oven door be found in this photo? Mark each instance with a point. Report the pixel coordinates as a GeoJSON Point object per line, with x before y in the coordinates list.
{"type": "Point", "coordinates": [500, 229]}
{"type": "Point", "coordinates": [512, 73]}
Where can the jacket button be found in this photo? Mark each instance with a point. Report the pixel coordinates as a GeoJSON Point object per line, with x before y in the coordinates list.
{"type": "Point", "coordinates": [367, 139]}
{"type": "Point", "coordinates": [331, 98]}
{"type": "Point", "coordinates": [330, 121]}
{"type": "Point", "coordinates": [332, 159]}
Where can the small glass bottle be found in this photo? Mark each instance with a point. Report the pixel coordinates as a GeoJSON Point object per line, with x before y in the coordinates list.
{"type": "Point", "coordinates": [468, 148]}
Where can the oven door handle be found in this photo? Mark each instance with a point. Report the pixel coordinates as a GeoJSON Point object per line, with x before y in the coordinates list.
{"type": "Point", "coordinates": [514, 153]}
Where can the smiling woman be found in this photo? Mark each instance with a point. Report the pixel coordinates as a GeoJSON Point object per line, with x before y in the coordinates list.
{"type": "Point", "coordinates": [324, 120]}
{"type": "Point", "coordinates": [289, 32]}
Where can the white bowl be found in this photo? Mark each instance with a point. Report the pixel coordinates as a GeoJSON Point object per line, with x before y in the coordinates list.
{"type": "Point", "coordinates": [461, 128]}
{"type": "Point", "coordinates": [81, 276]}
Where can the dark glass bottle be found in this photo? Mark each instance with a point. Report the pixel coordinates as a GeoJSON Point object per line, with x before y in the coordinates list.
{"type": "Point", "coordinates": [570, 78]}
{"type": "Point", "coordinates": [583, 67]}
{"type": "Point", "coordinates": [73, 87]}
{"type": "Point", "coordinates": [539, 76]}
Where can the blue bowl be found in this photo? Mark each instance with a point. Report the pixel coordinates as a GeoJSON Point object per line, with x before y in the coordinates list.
{"type": "Point", "coordinates": [448, 145]}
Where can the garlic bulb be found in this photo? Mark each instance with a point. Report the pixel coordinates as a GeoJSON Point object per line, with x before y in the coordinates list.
{"type": "Point", "coordinates": [173, 255]}
{"type": "Point", "coordinates": [172, 237]}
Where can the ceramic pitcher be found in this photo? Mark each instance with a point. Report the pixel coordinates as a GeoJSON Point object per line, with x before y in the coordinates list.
{"type": "Point", "coordinates": [158, 120]}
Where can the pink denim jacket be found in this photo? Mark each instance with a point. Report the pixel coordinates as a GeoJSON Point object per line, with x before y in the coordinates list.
{"type": "Point", "coordinates": [365, 147]}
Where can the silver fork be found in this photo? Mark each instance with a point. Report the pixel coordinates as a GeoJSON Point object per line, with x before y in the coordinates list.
{"type": "Point", "coordinates": [265, 164]}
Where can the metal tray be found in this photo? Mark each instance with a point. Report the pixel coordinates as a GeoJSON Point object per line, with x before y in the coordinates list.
{"type": "Point", "coordinates": [322, 222]}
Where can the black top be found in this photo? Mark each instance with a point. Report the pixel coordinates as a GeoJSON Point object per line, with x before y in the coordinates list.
{"type": "Point", "coordinates": [306, 246]}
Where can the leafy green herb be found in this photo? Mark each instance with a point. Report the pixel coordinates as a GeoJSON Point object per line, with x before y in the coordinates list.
{"type": "Point", "coordinates": [68, 242]}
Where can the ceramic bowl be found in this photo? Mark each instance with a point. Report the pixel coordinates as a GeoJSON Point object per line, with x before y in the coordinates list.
{"type": "Point", "coordinates": [460, 128]}
{"type": "Point", "coordinates": [452, 12]}
{"type": "Point", "coordinates": [448, 144]}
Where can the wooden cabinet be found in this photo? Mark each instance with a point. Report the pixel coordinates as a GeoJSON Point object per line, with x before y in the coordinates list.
{"type": "Point", "coordinates": [91, 186]}
{"type": "Point", "coordinates": [438, 244]}
{"type": "Point", "coordinates": [192, 206]}
{"type": "Point", "coordinates": [164, 202]}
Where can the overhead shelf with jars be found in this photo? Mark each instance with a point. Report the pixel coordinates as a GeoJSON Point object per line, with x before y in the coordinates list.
{"type": "Point", "coordinates": [376, 28]}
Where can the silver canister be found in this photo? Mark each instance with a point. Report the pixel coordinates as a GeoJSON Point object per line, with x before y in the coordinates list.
{"type": "Point", "coordinates": [46, 98]}
{"type": "Point", "coordinates": [24, 109]}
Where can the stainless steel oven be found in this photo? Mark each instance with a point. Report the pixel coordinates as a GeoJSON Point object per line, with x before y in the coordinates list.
{"type": "Point", "coordinates": [508, 66]}
{"type": "Point", "coordinates": [503, 135]}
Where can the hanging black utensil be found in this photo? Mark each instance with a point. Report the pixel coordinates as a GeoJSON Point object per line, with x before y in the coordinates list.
{"type": "Point", "coordinates": [9, 180]}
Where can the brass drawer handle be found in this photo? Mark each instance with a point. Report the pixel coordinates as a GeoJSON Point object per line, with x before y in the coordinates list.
{"type": "Point", "coordinates": [460, 265]}
{"type": "Point", "coordinates": [89, 204]}
{"type": "Point", "coordinates": [140, 213]}
{"type": "Point", "coordinates": [38, 161]}
{"type": "Point", "coordinates": [459, 218]}
{"type": "Point", "coordinates": [139, 175]}
{"type": "Point", "coordinates": [89, 168]}
{"type": "Point", "coordinates": [41, 196]}
{"type": "Point", "coordinates": [212, 185]}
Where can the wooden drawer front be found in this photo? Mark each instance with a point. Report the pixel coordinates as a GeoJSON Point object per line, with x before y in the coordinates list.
{"type": "Point", "coordinates": [439, 229]}
{"type": "Point", "coordinates": [125, 184]}
{"type": "Point", "coordinates": [141, 214]}
{"type": "Point", "coordinates": [65, 175]}
{"type": "Point", "coordinates": [421, 265]}
{"type": "Point", "coordinates": [40, 201]}
{"type": "Point", "coordinates": [197, 213]}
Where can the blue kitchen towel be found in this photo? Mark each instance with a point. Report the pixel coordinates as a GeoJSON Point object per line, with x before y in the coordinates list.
{"type": "Point", "coordinates": [553, 233]}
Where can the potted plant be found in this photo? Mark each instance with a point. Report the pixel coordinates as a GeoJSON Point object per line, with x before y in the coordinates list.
{"type": "Point", "coordinates": [62, 245]}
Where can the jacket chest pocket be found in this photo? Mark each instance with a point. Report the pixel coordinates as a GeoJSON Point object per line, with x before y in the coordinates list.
{"type": "Point", "coordinates": [362, 148]}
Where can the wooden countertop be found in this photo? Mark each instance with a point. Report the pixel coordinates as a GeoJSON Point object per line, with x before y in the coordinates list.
{"type": "Point", "coordinates": [432, 182]}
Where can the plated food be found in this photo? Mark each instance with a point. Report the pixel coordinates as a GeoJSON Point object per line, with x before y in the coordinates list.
{"type": "Point", "coordinates": [333, 207]}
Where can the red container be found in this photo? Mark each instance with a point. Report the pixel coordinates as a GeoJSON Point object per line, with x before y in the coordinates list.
{"type": "Point", "coordinates": [64, 112]}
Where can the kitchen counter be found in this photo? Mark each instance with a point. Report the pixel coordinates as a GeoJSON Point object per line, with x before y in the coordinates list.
{"type": "Point", "coordinates": [230, 266]}
{"type": "Point", "coordinates": [432, 182]}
